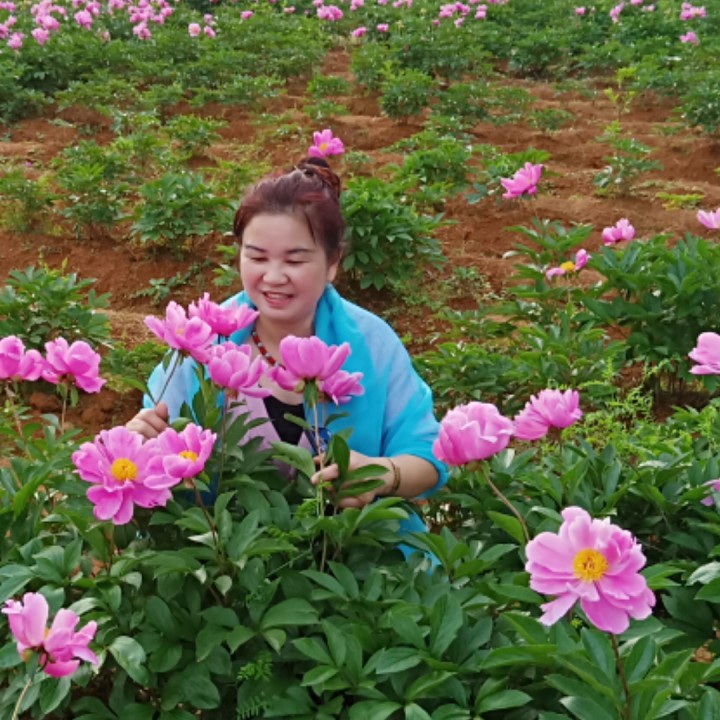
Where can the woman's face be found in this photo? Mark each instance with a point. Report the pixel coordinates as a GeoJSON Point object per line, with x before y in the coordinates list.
{"type": "Point", "coordinates": [284, 271]}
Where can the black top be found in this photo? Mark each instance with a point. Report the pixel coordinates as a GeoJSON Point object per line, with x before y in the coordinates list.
{"type": "Point", "coordinates": [288, 431]}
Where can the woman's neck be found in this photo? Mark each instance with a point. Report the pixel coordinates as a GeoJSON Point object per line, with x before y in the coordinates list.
{"type": "Point", "coordinates": [272, 333]}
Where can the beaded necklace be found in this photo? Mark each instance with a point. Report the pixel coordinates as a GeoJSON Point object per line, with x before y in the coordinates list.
{"type": "Point", "coordinates": [262, 349]}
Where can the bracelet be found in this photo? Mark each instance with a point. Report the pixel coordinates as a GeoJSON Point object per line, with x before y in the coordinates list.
{"type": "Point", "coordinates": [396, 477]}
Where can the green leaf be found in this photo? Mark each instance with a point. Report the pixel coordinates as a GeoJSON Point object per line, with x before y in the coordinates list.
{"type": "Point", "coordinates": [135, 711]}
{"type": "Point", "coordinates": [587, 709]}
{"type": "Point", "coordinates": [295, 456]}
{"type": "Point", "coordinates": [313, 648]}
{"type": "Point", "coordinates": [208, 639]}
{"type": "Point", "coordinates": [159, 616]}
{"type": "Point", "coordinates": [294, 611]}
{"type": "Point", "coordinates": [509, 524]}
{"type": "Point", "coordinates": [53, 692]}
{"type": "Point", "coordinates": [415, 712]}
{"type": "Point", "coordinates": [446, 620]}
{"type": "Point", "coordinates": [502, 700]}
{"type": "Point", "coordinates": [130, 656]}
{"type": "Point", "coordinates": [396, 659]}
{"type": "Point", "coordinates": [319, 675]}
{"type": "Point", "coordinates": [375, 709]}
{"type": "Point", "coordinates": [640, 659]}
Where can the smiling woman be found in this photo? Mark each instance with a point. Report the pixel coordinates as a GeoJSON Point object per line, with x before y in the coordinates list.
{"type": "Point", "coordinates": [290, 231]}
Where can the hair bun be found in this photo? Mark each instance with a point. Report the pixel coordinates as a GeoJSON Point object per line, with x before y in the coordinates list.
{"type": "Point", "coordinates": [320, 168]}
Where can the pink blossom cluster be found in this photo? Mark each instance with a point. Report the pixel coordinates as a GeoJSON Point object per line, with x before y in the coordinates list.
{"type": "Point", "coordinates": [127, 471]}
{"type": "Point", "coordinates": [331, 13]}
{"type": "Point", "coordinates": [193, 332]}
{"type": "Point", "coordinates": [688, 11]}
{"type": "Point", "coordinates": [524, 182]}
{"type": "Point", "coordinates": [325, 143]}
{"type": "Point", "coordinates": [451, 9]}
{"type": "Point", "coordinates": [309, 359]}
{"type": "Point", "coordinates": [207, 29]}
{"type": "Point", "coordinates": [710, 219]}
{"type": "Point", "coordinates": [74, 363]}
{"type": "Point", "coordinates": [592, 562]}
{"type": "Point", "coordinates": [622, 230]}
{"type": "Point", "coordinates": [358, 32]}
{"type": "Point", "coordinates": [690, 38]}
{"type": "Point", "coordinates": [476, 431]}
{"type": "Point", "coordinates": [570, 266]}
{"type": "Point", "coordinates": [60, 647]}
{"type": "Point", "coordinates": [615, 12]}
{"type": "Point", "coordinates": [14, 39]}
{"type": "Point", "coordinates": [706, 354]}
{"type": "Point", "coordinates": [45, 21]}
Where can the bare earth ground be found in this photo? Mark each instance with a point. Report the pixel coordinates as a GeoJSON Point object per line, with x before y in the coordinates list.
{"type": "Point", "coordinates": [477, 239]}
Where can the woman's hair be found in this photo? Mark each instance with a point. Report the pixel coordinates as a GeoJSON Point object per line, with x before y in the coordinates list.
{"type": "Point", "coordinates": [311, 189]}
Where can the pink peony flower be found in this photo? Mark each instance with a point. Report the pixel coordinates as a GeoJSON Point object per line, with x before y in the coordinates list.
{"type": "Point", "coordinates": [246, 14]}
{"type": "Point", "coordinates": [40, 35]}
{"type": "Point", "coordinates": [231, 367]}
{"type": "Point", "coordinates": [194, 29]}
{"type": "Point", "coordinates": [209, 32]}
{"type": "Point", "coordinates": [223, 319]}
{"type": "Point", "coordinates": [706, 354]}
{"type": "Point", "coordinates": [615, 12]}
{"type": "Point", "coordinates": [548, 409]}
{"type": "Point", "coordinates": [358, 32]}
{"type": "Point", "coordinates": [60, 648]}
{"type": "Point", "coordinates": [472, 432]}
{"type": "Point", "coordinates": [622, 230]}
{"type": "Point", "coordinates": [118, 464]}
{"type": "Point", "coordinates": [19, 364]}
{"type": "Point", "coordinates": [307, 360]}
{"type": "Point", "coordinates": [325, 144]}
{"type": "Point", "coordinates": [711, 220]}
{"type": "Point", "coordinates": [581, 259]}
{"type": "Point", "coordinates": [77, 363]}
{"type": "Point", "coordinates": [580, 11]}
{"type": "Point", "coordinates": [15, 42]}
{"type": "Point", "coordinates": [524, 182]}
{"type": "Point", "coordinates": [342, 386]}
{"type": "Point", "coordinates": [382, 27]}
{"type": "Point", "coordinates": [594, 562]}
{"type": "Point", "coordinates": [192, 336]}
{"type": "Point", "coordinates": [184, 454]}
{"type": "Point", "coordinates": [690, 38]}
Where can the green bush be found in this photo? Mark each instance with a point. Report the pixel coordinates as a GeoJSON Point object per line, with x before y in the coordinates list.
{"type": "Point", "coordinates": [389, 243]}
{"type": "Point", "coordinates": [175, 209]}
{"type": "Point", "coordinates": [41, 304]}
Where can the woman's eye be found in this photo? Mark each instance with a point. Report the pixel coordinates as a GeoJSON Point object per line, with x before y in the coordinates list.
{"type": "Point", "coordinates": [295, 262]}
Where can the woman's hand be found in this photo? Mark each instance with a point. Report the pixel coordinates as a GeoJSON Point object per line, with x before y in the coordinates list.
{"type": "Point", "coordinates": [357, 460]}
{"type": "Point", "coordinates": [150, 422]}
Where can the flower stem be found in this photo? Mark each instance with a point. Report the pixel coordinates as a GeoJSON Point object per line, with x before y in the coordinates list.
{"type": "Point", "coordinates": [175, 365]}
{"type": "Point", "coordinates": [506, 502]}
{"type": "Point", "coordinates": [16, 712]}
{"type": "Point", "coordinates": [201, 505]}
{"type": "Point", "coordinates": [627, 710]}
{"type": "Point", "coordinates": [223, 427]}
{"type": "Point", "coordinates": [320, 492]}
{"type": "Point", "coordinates": [65, 393]}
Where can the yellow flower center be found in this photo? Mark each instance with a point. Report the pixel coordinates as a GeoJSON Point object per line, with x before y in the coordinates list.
{"type": "Point", "coordinates": [568, 266]}
{"type": "Point", "coordinates": [589, 565]}
{"type": "Point", "coordinates": [188, 455]}
{"type": "Point", "coordinates": [323, 146]}
{"type": "Point", "coordinates": [123, 470]}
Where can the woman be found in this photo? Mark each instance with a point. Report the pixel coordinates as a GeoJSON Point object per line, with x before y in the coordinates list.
{"type": "Point", "coordinates": [290, 230]}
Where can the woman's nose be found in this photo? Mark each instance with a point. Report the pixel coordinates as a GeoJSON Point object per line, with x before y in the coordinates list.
{"type": "Point", "coordinates": [275, 274]}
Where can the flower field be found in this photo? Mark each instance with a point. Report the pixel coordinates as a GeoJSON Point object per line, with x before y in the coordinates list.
{"type": "Point", "coordinates": [532, 196]}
